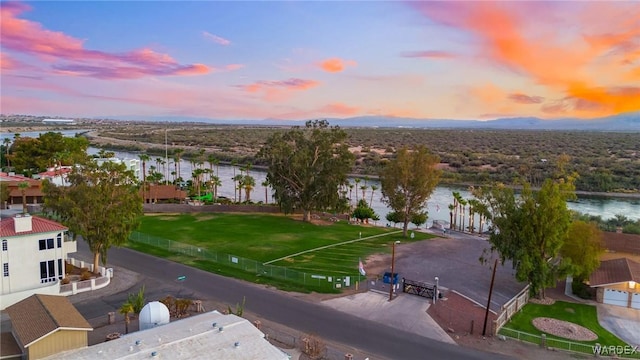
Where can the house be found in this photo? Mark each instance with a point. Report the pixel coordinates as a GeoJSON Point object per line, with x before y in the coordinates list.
{"type": "Point", "coordinates": [616, 282]}
{"type": "Point", "coordinates": [33, 193]}
{"type": "Point", "coordinates": [33, 256]}
{"type": "Point", "coordinates": [163, 194]}
{"type": "Point", "coordinates": [56, 175]}
{"type": "Point", "coordinates": [210, 335]}
{"type": "Point", "coordinates": [43, 325]}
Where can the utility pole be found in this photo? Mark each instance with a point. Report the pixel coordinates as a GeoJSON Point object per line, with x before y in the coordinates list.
{"type": "Point", "coordinates": [486, 314]}
{"type": "Point", "coordinates": [393, 258]}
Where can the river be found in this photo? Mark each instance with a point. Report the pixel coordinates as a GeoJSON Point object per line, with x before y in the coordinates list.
{"type": "Point", "coordinates": [437, 206]}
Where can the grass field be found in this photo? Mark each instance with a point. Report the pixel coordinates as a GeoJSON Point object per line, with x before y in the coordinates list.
{"type": "Point", "coordinates": [267, 238]}
{"type": "Point", "coordinates": [581, 314]}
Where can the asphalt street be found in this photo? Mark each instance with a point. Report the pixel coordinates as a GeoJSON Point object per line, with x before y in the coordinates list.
{"type": "Point", "coordinates": [159, 275]}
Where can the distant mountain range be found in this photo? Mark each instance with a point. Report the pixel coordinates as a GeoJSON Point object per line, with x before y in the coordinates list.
{"type": "Point", "coordinates": [623, 122]}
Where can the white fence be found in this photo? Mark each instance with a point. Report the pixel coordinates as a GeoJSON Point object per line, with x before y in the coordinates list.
{"type": "Point", "coordinates": [510, 308]}
{"type": "Point", "coordinates": [86, 285]}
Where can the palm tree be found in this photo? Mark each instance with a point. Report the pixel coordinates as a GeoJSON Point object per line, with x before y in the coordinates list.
{"type": "Point", "coordinates": [357, 181]}
{"type": "Point", "coordinates": [125, 310]}
{"type": "Point", "coordinates": [463, 205]}
{"type": "Point", "coordinates": [23, 186]}
{"type": "Point", "coordinates": [197, 176]}
{"type": "Point", "coordinates": [265, 184]}
{"type": "Point", "coordinates": [350, 195]}
{"type": "Point", "coordinates": [6, 143]}
{"type": "Point", "coordinates": [178, 153]}
{"type": "Point", "coordinates": [144, 158]}
{"type": "Point", "coordinates": [211, 159]}
{"type": "Point", "coordinates": [451, 207]}
{"type": "Point", "coordinates": [248, 182]}
{"type": "Point", "coordinates": [472, 204]}
{"type": "Point", "coordinates": [456, 199]}
{"type": "Point", "coordinates": [373, 189]}
{"type": "Point", "coordinates": [364, 189]}
{"type": "Point", "coordinates": [215, 182]}
{"type": "Point", "coordinates": [237, 186]}
{"type": "Point", "coordinates": [233, 164]}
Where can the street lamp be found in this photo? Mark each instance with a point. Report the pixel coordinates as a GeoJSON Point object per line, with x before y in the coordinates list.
{"type": "Point", "coordinates": [393, 258]}
{"type": "Point", "coordinates": [435, 291]}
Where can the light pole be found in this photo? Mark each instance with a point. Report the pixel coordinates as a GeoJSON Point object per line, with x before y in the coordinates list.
{"type": "Point", "coordinates": [393, 258]}
{"type": "Point", "coordinates": [435, 291]}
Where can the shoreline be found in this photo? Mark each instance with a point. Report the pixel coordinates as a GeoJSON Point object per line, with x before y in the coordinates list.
{"type": "Point", "coordinates": [102, 142]}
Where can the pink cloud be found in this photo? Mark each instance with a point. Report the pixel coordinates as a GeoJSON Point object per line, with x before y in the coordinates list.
{"type": "Point", "coordinates": [525, 99]}
{"type": "Point", "coordinates": [339, 109]}
{"type": "Point", "coordinates": [429, 54]}
{"type": "Point", "coordinates": [279, 90]}
{"type": "Point", "coordinates": [335, 64]}
{"type": "Point", "coordinates": [215, 38]}
{"type": "Point", "coordinates": [522, 37]}
{"type": "Point", "coordinates": [69, 56]}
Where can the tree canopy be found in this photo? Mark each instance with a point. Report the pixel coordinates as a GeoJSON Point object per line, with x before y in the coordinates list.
{"type": "Point", "coordinates": [408, 181]}
{"type": "Point", "coordinates": [307, 165]}
{"type": "Point", "coordinates": [101, 204]}
{"type": "Point", "coordinates": [529, 229]}
{"type": "Point", "coordinates": [582, 248]}
{"type": "Point", "coordinates": [29, 155]}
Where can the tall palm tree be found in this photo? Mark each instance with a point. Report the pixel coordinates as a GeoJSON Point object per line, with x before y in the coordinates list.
{"type": "Point", "coordinates": [373, 189]}
{"type": "Point", "coordinates": [144, 158]}
{"type": "Point", "coordinates": [357, 181]}
{"type": "Point", "coordinates": [23, 186]}
{"type": "Point", "coordinates": [364, 190]}
{"type": "Point", "coordinates": [178, 154]}
{"type": "Point", "coordinates": [451, 207]}
{"type": "Point", "coordinates": [350, 195]}
{"type": "Point", "coordinates": [215, 182]}
{"type": "Point", "coordinates": [211, 159]}
{"type": "Point", "coordinates": [456, 201]}
{"type": "Point", "coordinates": [265, 184]}
{"type": "Point", "coordinates": [463, 205]}
{"type": "Point", "coordinates": [237, 183]}
{"type": "Point", "coordinates": [6, 143]}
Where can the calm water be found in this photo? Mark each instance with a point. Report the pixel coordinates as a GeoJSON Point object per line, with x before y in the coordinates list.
{"type": "Point", "coordinates": [437, 205]}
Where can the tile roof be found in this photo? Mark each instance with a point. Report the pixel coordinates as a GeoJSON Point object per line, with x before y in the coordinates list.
{"type": "Point", "coordinates": [615, 271]}
{"type": "Point", "coordinates": [40, 315]}
{"type": "Point", "coordinates": [38, 225]}
{"type": "Point", "coordinates": [8, 345]}
{"type": "Point", "coordinates": [16, 177]}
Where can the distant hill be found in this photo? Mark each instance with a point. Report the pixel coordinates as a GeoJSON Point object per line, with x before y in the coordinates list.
{"type": "Point", "coordinates": [622, 122]}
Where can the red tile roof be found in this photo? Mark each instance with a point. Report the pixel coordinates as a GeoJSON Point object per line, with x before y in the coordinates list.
{"type": "Point", "coordinates": [40, 315]}
{"type": "Point", "coordinates": [614, 272]}
{"type": "Point", "coordinates": [38, 225]}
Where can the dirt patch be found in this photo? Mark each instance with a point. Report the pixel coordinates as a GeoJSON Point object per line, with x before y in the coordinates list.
{"type": "Point", "coordinates": [377, 264]}
{"type": "Point", "coordinates": [545, 301]}
{"type": "Point", "coordinates": [564, 329]}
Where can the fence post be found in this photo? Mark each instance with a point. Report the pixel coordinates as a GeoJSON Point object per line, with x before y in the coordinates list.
{"type": "Point", "coordinates": [543, 340]}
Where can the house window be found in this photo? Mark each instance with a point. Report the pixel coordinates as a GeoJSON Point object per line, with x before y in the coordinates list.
{"type": "Point", "coordinates": [5, 269]}
{"type": "Point", "coordinates": [47, 271]}
{"type": "Point", "coordinates": [4, 245]}
{"type": "Point", "coordinates": [49, 243]}
{"type": "Point", "coordinates": [43, 245]}
{"type": "Point", "coordinates": [59, 241]}
{"type": "Point", "coordinates": [60, 268]}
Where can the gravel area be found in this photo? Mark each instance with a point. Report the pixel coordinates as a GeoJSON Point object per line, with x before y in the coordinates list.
{"type": "Point", "coordinates": [564, 329]}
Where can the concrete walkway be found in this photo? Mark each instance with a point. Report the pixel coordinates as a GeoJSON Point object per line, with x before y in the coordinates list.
{"type": "Point", "coordinates": [621, 321]}
{"type": "Point", "coordinates": [405, 312]}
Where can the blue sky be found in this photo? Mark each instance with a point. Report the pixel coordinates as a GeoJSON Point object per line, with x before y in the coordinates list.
{"type": "Point", "coordinates": [302, 59]}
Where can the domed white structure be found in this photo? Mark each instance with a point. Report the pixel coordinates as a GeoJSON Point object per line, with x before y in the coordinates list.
{"type": "Point", "coordinates": [153, 314]}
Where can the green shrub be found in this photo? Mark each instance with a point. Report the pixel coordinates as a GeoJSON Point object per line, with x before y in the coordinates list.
{"type": "Point", "coordinates": [86, 275]}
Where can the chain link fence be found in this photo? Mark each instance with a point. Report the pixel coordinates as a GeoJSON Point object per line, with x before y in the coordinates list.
{"type": "Point", "coordinates": [311, 281]}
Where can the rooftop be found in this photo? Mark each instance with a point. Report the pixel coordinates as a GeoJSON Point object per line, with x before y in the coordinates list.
{"type": "Point", "coordinates": [615, 271]}
{"type": "Point", "coordinates": [40, 315]}
{"type": "Point", "coordinates": [38, 225]}
{"type": "Point", "coordinates": [196, 337]}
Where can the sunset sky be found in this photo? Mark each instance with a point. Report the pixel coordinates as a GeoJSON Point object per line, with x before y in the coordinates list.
{"type": "Point", "coordinates": [298, 60]}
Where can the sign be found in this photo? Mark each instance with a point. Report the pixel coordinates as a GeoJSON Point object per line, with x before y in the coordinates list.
{"type": "Point", "coordinates": [182, 278]}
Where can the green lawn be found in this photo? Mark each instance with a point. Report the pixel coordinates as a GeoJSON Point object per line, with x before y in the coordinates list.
{"type": "Point", "coordinates": [581, 314]}
{"type": "Point", "coordinates": [266, 238]}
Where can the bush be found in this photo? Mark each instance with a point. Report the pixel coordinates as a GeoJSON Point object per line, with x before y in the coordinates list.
{"type": "Point", "coordinates": [65, 281]}
{"type": "Point", "coordinates": [582, 290]}
{"type": "Point", "coordinates": [86, 275]}
{"type": "Point", "coordinates": [68, 268]}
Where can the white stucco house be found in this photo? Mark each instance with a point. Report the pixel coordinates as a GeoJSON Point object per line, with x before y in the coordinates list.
{"type": "Point", "coordinates": [33, 253]}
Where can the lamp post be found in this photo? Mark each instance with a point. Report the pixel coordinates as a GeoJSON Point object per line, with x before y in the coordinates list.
{"type": "Point", "coordinates": [435, 291]}
{"type": "Point", "coordinates": [393, 258]}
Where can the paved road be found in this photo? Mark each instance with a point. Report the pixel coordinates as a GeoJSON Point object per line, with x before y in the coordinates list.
{"type": "Point", "coordinates": [273, 305]}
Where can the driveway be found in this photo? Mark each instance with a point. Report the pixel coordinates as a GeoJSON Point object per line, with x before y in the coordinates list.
{"type": "Point", "coordinates": [621, 321]}
{"type": "Point", "coordinates": [455, 261]}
